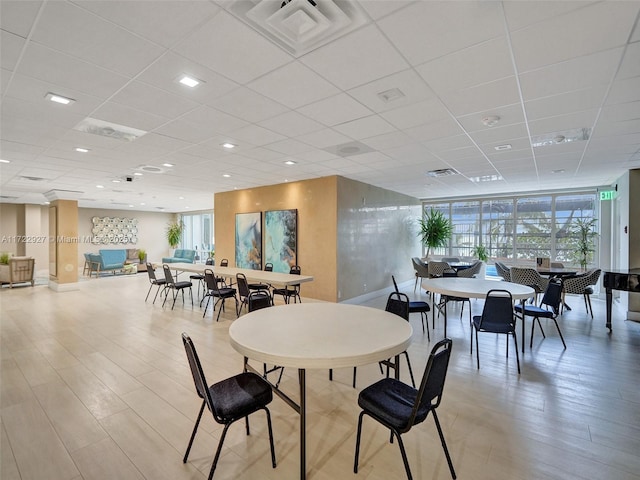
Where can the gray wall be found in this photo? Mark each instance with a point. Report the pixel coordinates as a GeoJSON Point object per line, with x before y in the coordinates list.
{"type": "Point", "coordinates": [377, 236]}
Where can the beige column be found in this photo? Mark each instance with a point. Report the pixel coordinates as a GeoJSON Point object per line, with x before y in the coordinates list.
{"type": "Point", "coordinates": [63, 245]}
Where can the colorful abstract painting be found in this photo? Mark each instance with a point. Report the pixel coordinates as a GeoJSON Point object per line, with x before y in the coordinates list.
{"type": "Point", "coordinates": [281, 239]}
{"type": "Point", "coordinates": [249, 240]}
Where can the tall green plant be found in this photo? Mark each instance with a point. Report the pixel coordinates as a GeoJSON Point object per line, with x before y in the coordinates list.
{"type": "Point", "coordinates": [481, 252]}
{"type": "Point", "coordinates": [435, 230]}
{"type": "Point", "coordinates": [174, 233]}
{"type": "Point", "coordinates": [585, 229]}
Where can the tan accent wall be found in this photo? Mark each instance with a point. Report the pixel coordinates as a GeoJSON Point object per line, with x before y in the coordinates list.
{"type": "Point", "coordinates": [351, 236]}
{"type": "Point", "coordinates": [634, 232]}
{"type": "Point", "coordinates": [315, 201]}
{"type": "Point", "coordinates": [66, 240]}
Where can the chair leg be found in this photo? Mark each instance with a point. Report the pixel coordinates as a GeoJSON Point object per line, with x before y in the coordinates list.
{"type": "Point", "coordinates": [560, 333]}
{"type": "Point", "coordinates": [404, 455]}
{"type": "Point", "coordinates": [413, 383]}
{"type": "Point", "coordinates": [587, 302]}
{"type": "Point", "coordinates": [219, 449]}
{"type": "Point", "coordinates": [477, 351]}
{"type": "Point", "coordinates": [444, 444]}
{"type": "Point", "coordinates": [355, 460]}
{"type": "Point", "coordinates": [148, 292]}
{"type": "Point", "coordinates": [273, 450]}
{"type": "Point", "coordinates": [515, 342]}
{"type": "Point", "coordinates": [355, 369]}
{"type": "Point", "coordinates": [193, 434]}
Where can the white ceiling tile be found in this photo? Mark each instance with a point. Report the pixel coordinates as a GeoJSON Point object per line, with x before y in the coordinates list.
{"type": "Point", "coordinates": [252, 55]}
{"type": "Point", "coordinates": [567, 102]}
{"type": "Point", "coordinates": [256, 135]}
{"type": "Point", "coordinates": [388, 140]}
{"type": "Point", "coordinates": [215, 120]}
{"type": "Point", "coordinates": [509, 115]}
{"type": "Point", "coordinates": [291, 124]}
{"type": "Point", "coordinates": [335, 110]}
{"type": "Point", "coordinates": [598, 27]}
{"type": "Point", "coordinates": [627, 90]}
{"type": "Point", "coordinates": [380, 8]}
{"type": "Point", "coordinates": [289, 147]}
{"type": "Point", "coordinates": [428, 30]}
{"type": "Point", "coordinates": [365, 127]}
{"type": "Point", "coordinates": [129, 117]}
{"type": "Point", "coordinates": [419, 113]}
{"type": "Point", "coordinates": [528, 12]}
{"type": "Point", "coordinates": [571, 121]}
{"type": "Point", "coordinates": [65, 27]}
{"type": "Point", "coordinates": [186, 131]}
{"type": "Point", "coordinates": [500, 135]}
{"type": "Point", "coordinates": [249, 105]}
{"type": "Point", "coordinates": [167, 22]}
{"type": "Point", "coordinates": [293, 85]}
{"type": "Point", "coordinates": [355, 59]}
{"type": "Point", "coordinates": [630, 66]}
{"type": "Point", "coordinates": [324, 138]}
{"type": "Point", "coordinates": [262, 154]}
{"type": "Point", "coordinates": [430, 131]}
{"type": "Point", "coordinates": [153, 100]}
{"type": "Point", "coordinates": [481, 63]}
{"type": "Point", "coordinates": [482, 97]}
{"type": "Point", "coordinates": [448, 143]}
{"type": "Point", "coordinates": [408, 82]}
{"type": "Point", "coordinates": [10, 49]}
{"type": "Point", "coordinates": [574, 74]}
{"type": "Point", "coordinates": [63, 70]}
{"type": "Point", "coordinates": [17, 17]}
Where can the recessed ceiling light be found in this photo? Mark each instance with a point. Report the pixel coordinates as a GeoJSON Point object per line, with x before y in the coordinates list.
{"type": "Point", "coordinates": [82, 150]}
{"type": "Point", "coordinates": [486, 178]}
{"type": "Point", "coordinates": [226, 175]}
{"type": "Point", "coordinates": [5, 161]}
{"type": "Point", "coordinates": [555, 138]}
{"type": "Point", "coordinates": [506, 146]}
{"type": "Point", "coordinates": [130, 206]}
{"type": "Point", "coordinates": [187, 206]}
{"type": "Point", "coordinates": [167, 165]}
{"type": "Point", "coordinates": [228, 145]}
{"type": "Point", "coordinates": [180, 198]}
{"type": "Point", "coordinates": [142, 203]}
{"type": "Point", "coordinates": [115, 180]}
{"type": "Point", "coordinates": [99, 186]}
{"type": "Point", "coordinates": [289, 162]}
{"type": "Point", "coordinates": [189, 81]}
{"type": "Point", "coordinates": [560, 170]}
{"type": "Point", "coordinates": [59, 99]}
{"type": "Point", "coordinates": [47, 203]}
{"type": "Point", "coordinates": [137, 174]}
{"type": "Point", "coordinates": [442, 172]}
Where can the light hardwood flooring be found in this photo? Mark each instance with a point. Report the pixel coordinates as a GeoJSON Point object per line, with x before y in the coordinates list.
{"type": "Point", "coordinates": [95, 385]}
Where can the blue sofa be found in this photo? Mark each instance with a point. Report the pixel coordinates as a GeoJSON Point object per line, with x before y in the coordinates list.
{"type": "Point", "coordinates": [181, 256]}
{"type": "Point", "coordinates": [109, 260]}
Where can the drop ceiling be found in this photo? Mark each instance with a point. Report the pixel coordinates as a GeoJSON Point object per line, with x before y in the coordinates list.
{"type": "Point", "coordinates": [401, 90]}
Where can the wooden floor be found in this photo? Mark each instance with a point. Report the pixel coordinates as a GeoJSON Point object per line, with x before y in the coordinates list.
{"type": "Point", "coordinates": [95, 385]}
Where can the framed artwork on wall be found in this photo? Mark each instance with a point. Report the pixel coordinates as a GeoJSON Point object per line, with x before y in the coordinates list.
{"type": "Point", "coordinates": [281, 239]}
{"type": "Point", "coordinates": [249, 240]}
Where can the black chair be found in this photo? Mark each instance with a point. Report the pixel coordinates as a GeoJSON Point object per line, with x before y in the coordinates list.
{"type": "Point", "coordinates": [258, 300]}
{"type": "Point", "coordinates": [199, 277]}
{"type": "Point", "coordinates": [399, 407]}
{"type": "Point", "coordinates": [160, 282]}
{"type": "Point", "coordinates": [398, 303]}
{"type": "Point", "coordinates": [219, 294]}
{"type": "Point", "coordinates": [171, 284]}
{"type": "Point", "coordinates": [552, 299]}
{"type": "Point", "coordinates": [268, 267]}
{"type": "Point", "coordinates": [289, 291]}
{"type": "Point", "coordinates": [417, 307]}
{"type": "Point", "coordinates": [224, 262]}
{"type": "Point", "coordinates": [243, 290]}
{"type": "Point", "coordinates": [497, 317]}
{"type": "Point", "coordinates": [228, 400]}
{"type": "Point", "coordinates": [421, 270]}
{"type": "Point", "coordinates": [445, 299]}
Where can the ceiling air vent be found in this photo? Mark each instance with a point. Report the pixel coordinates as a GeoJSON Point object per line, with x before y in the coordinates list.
{"type": "Point", "coordinates": [349, 149]}
{"type": "Point", "coordinates": [110, 130]}
{"type": "Point", "coordinates": [556, 138]}
{"type": "Point", "coordinates": [443, 172]}
{"type": "Point", "coordinates": [299, 26]}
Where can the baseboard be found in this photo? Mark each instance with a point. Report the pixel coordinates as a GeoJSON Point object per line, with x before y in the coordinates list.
{"type": "Point", "coordinates": [63, 287]}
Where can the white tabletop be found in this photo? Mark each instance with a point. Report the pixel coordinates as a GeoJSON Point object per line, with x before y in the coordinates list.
{"type": "Point", "coordinates": [320, 335]}
{"type": "Point", "coordinates": [276, 278]}
{"type": "Point", "coordinates": [474, 287]}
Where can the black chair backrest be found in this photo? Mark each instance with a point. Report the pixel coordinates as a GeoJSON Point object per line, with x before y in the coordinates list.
{"type": "Point", "coordinates": [243, 285]}
{"type": "Point", "coordinates": [268, 267]}
{"type": "Point", "coordinates": [498, 307]}
{"type": "Point", "coordinates": [257, 300]}
{"type": "Point", "coordinates": [553, 295]}
{"type": "Point", "coordinates": [198, 374]}
{"type": "Point", "coordinates": [295, 270]}
{"type": "Point", "coordinates": [210, 280]}
{"type": "Point", "coordinates": [395, 285]}
{"type": "Point", "coordinates": [224, 262]}
{"type": "Point", "coordinates": [398, 303]}
{"type": "Point", "coordinates": [167, 274]}
{"type": "Point", "coordinates": [209, 261]}
{"type": "Point", "coordinates": [152, 273]}
{"type": "Point", "coordinates": [432, 385]}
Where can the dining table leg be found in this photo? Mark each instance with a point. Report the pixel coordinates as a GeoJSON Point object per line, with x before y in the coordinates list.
{"type": "Point", "coordinates": [303, 423]}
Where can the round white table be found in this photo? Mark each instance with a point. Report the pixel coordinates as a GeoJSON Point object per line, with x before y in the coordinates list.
{"type": "Point", "coordinates": [474, 288]}
{"type": "Point", "coordinates": [318, 335]}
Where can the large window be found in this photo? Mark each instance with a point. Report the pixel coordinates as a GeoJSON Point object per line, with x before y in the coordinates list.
{"type": "Point", "coordinates": [198, 234]}
{"type": "Point", "coordinates": [518, 227]}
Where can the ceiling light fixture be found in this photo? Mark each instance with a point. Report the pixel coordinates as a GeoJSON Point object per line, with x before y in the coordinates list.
{"type": "Point", "coordinates": [59, 99]}
{"type": "Point", "coordinates": [486, 178]}
{"type": "Point", "coordinates": [289, 162]}
{"type": "Point", "coordinates": [226, 175]}
{"type": "Point", "coordinates": [556, 138]}
{"type": "Point", "coordinates": [442, 172]}
{"type": "Point", "coordinates": [500, 148]}
{"type": "Point", "coordinates": [167, 165]}
{"type": "Point", "coordinates": [560, 170]}
{"type": "Point", "coordinates": [99, 186]}
{"type": "Point", "coordinates": [189, 81]}
{"type": "Point", "coordinates": [137, 174]}
{"type": "Point", "coordinates": [115, 180]}
{"type": "Point", "coordinates": [5, 161]}
{"type": "Point", "coordinates": [180, 198]}
{"type": "Point", "coordinates": [228, 145]}
{"type": "Point", "coordinates": [490, 120]}
{"type": "Point", "coordinates": [82, 150]}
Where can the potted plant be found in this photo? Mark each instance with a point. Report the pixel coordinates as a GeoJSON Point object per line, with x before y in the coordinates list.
{"type": "Point", "coordinates": [142, 255]}
{"type": "Point", "coordinates": [4, 258]}
{"type": "Point", "coordinates": [174, 233]}
{"type": "Point", "coordinates": [435, 230]}
{"type": "Point", "coordinates": [584, 228]}
{"type": "Point", "coordinates": [480, 252]}
{"type": "Point", "coordinates": [4, 267]}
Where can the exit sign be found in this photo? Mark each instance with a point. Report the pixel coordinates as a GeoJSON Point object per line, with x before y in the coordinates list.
{"type": "Point", "coordinates": [608, 195]}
